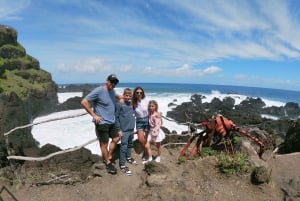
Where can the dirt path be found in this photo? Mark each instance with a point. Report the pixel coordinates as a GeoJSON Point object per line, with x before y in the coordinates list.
{"type": "Point", "coordinates": [197, 179]}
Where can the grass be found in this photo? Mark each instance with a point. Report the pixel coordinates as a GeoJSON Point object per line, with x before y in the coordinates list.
{"type": "Point", "coordinates": [234, 164]}
{"type": "Point", "coordinates": [208, 151]}
{"type": "Point", "coordinates": [22, 82]}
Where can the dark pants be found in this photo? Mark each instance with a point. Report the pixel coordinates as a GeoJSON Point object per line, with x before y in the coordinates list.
{"type": "Point", "coordinates": [126, 146]}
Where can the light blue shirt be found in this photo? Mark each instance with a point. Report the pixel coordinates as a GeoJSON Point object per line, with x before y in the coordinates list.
{"type": "Point", "coordinates": [103, 102]}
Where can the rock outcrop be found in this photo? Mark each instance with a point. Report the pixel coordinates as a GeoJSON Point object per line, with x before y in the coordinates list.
{"type": "Point", "coordinates": [292, 138]}
{"type": "Point", "coordinates": [247, 114]}
{"type": "Point", "coordinates": [26, 90]}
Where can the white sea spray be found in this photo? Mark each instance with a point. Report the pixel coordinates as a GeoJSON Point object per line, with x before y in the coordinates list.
{"type": "Point", "coordinates": [72, 132]}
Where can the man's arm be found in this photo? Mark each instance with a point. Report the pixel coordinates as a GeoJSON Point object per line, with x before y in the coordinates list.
{"type": "Point", "coordinates": [87, 106]}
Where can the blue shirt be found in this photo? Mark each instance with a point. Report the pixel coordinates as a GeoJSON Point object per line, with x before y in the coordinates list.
{"type": "Point", "coordinates": [125, 116]}
{"type": "Point", "coordinates": [103, 102]}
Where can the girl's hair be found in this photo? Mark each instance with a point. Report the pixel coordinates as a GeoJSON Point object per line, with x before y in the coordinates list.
{"type": "Point", "coordinates": [134, 97]}
{"type": "Point", "coordinates": [154, 103]}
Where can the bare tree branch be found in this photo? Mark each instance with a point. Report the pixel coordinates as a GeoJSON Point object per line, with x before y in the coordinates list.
{"type": "Point", "coordinates": [50, 155]}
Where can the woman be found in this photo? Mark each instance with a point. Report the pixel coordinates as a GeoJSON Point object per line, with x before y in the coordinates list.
{"type": "Point", "coordinates": [140, 106]}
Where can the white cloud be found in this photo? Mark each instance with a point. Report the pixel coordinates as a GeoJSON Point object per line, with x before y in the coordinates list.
{"type": "Point", "coordinates": [89, 66]}
{"type": "Point", "coordinates": [12, 9]}
{"type": "Point", "coordinates": [62, 68]}
{"type": "Point", "coordinates": [182, 71]}
{"type": "Point", "coordinates": [166, 38]}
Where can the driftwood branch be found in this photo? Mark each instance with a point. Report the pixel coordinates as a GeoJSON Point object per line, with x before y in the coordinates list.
{"type": "Point", "coordinates": [290, 154]}
{"type": "Point", "coordinates": [56, 180]}
{"type": "Point", "coordinates": [45, 121]}
{"type": "Point", "coordinates": [50, 155]}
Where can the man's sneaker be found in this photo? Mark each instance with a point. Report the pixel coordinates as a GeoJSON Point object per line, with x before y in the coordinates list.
{"type": "Point", "coordinates": [147, 161]}
{"type": "Point", "coordinates": [125, 170]}
{"type": "Point", "coordinates": [111, 168]}
{"type": "Point", "coordinates": [157, 159]}
{"type": "Point", "coordinates": [131, 161]}
{"type": "Point", "coordinates": [144, 156]}
{"type": "Point", "coordinates": [144, 159]}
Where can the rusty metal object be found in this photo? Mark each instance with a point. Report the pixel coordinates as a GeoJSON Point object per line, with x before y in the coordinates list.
{"type": "Point", "coordinates": [220, 126]}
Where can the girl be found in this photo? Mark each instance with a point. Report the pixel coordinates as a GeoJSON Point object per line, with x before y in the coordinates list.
{"type": "Point", "coordinates": [155, 134]}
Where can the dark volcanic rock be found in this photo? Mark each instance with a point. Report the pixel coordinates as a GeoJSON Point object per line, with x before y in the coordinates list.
{"type": "Point", "coordinates": [77, 88]}
{"type": "Point", "coordinates": [291, 110]}
{"type": "Point", "coordinates": [247, 113]}
{"type": "Point", "coordinates": [72, 160]}
{"type": "Point", "coordinates": [70, 104]}
{"type": "Point", "coordinates": [292, 138]}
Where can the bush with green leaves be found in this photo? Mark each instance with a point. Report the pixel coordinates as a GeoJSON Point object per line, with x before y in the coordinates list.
{"type": "Point", "coordinates": [208, 151]}
{"type": "Point", "coordinates": [234, 164]}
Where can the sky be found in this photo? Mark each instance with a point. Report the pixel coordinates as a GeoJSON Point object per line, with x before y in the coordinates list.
{"type": "Point", "coordinates": [225, 42]}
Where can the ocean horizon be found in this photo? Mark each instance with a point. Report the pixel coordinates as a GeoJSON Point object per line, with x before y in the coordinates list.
{"type": "Point", "coordinates": [282, 95]}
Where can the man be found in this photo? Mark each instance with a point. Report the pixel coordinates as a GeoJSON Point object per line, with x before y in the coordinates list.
{"type": "Point", "coordinates": [103, 100]}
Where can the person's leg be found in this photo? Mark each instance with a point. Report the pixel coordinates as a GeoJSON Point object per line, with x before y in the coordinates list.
{"type": "Point", "coordinates": [142, 141]}
{"type": "Point", "coordinates": [104, 151]}
{"type": "Point", "coordinates": [129, 148]}
{"type": "Point", "coordinates": [112, 146]}
{"type": "Point", "coordinates": [148, 150]}
{"type": "Point", "coordinates": [113, 134]}
{"type": "Point", "coordinates": [129, 145]}
{"type": "Point", "coordinates": [159, 148]}
{"type": "Point", "coordinates": [141, 138]}
{"type": "Point", "coordinates": [102, 134]}
{"type": "Point", "coordinates": [123, 149]}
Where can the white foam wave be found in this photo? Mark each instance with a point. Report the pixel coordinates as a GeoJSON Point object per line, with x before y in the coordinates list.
{"type": "Point", "coordinates": [62, 97]}
{"type": "Point", "coordinates": [72, 132]}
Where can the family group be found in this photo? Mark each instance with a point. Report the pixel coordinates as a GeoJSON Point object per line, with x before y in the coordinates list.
{"type": "Point", "coordinates": [119, 117]}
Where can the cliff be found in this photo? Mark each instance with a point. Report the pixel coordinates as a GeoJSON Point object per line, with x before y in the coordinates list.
{"type": "Point", "coordinates": [26, 90]}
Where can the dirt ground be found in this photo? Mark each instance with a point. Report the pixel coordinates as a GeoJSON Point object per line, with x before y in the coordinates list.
{"type": "Point", "coordinates": [197, 179]}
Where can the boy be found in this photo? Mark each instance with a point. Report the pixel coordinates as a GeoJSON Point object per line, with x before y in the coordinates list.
{"type": "Point", "coordinates": [125, 123]}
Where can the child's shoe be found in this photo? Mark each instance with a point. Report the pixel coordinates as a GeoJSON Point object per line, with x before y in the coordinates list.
{"type": "Point", "coordinates": [147, 161]}
{"type": "Point", "coordinates": [157, 159]}
{"type": "Point", "coordinates": [125, 170]}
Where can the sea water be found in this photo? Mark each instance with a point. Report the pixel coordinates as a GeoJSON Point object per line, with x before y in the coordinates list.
{"type": "Point", "coordinates": [72, 132]}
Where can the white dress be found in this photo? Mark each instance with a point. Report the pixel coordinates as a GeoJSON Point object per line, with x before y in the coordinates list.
{"type": "Point", "coordinates": [155, 130]}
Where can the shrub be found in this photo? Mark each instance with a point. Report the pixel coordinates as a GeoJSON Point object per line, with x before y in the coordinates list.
{"type": "Point", "coordinates": [208, 151]}
{"type": "Point", "coordinates": [231, 164]}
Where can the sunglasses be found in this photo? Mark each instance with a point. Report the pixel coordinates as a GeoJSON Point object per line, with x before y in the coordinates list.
{"type": "Point", "coordinates": [114, 82]}
{"type": "Point", "coordinates": [139, 92]}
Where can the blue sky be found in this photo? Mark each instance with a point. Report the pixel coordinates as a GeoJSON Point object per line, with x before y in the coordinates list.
{"type": "Point", "coordinates": [227, 42]}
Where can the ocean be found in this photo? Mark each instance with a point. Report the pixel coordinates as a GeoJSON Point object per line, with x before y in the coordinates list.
{"type": "Point", "coordinates": [72, 132]}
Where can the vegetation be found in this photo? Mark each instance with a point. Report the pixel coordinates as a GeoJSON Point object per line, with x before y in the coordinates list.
{"type": "Point", "coordinates": [19, 73]}
{"type": "Point", "coordinates": [22, 82]}
{"type": "Point", "coordinates": [231, 164]}
{"type": "Point", "coordinates": [208, 151]}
